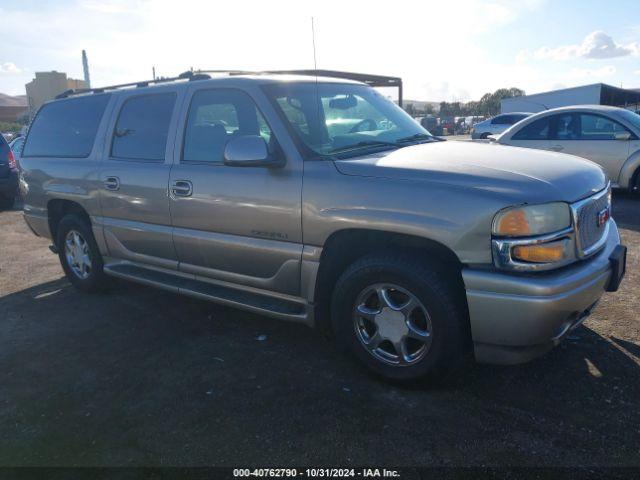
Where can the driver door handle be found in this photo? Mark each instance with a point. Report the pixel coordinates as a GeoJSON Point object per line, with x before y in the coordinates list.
{"type": "Point", "coordinates": [557, 148]}
{"type": "Point", "coordinates": [181, 188]}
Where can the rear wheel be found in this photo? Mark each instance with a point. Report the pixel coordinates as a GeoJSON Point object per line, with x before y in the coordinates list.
{"type": "Point", "coordinates": [79, 254]}
{"type": "Point", "coordinates": [401, 318]}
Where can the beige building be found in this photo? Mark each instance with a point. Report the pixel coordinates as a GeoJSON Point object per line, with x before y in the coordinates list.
{"type": "Point", "coordinates": [47, 85]}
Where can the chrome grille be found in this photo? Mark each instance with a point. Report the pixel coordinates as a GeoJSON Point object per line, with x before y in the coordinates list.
{"type": "Point", "coordinates": [586, 213]}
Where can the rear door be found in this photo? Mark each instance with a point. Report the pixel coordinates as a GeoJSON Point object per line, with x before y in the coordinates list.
{"type": "Point", "coordinates": [592, 136]}
{"type": "Point", "coordinates": [238, 225]}
{"type": "Point", "coordinates": [134, 176]}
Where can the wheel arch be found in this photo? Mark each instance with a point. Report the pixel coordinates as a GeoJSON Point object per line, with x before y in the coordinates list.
{"type": "Point", "coordinates": [344, 247]}
{"type": "Point", "coordinates": [629, 171]}
{"type": "Point", "coordinates": [58, 208]}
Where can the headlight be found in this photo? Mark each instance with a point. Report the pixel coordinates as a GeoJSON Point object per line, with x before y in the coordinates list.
{"type": "Point", "coordinates": [533, 237]}
{"type": "Point", "coordinates": [531, 220]}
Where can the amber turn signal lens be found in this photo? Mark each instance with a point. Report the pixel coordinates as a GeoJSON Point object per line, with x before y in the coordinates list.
{"type": "Point", "coordinates": [542, 253]}
{"type": "Point", "coordinates": [513, 223]}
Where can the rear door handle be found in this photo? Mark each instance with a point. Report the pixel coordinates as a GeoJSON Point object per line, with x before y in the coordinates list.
{"type": "Point", "coordinates": [112, 183]}
{"type": "Point", "coordinates": [557, 148]}
{"type": "Point", "coordinates": [181, 188]}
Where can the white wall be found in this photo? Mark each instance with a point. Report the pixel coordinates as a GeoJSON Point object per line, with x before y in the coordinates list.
{"type": "Point", "coordinates": [586, 95]}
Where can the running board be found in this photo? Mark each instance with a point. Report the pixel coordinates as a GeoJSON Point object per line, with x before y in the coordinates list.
{"type": "Point", "coordinates": [191, 286]}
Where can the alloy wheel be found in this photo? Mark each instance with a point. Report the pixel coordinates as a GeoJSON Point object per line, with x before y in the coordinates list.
{"type": "Point", "coordinates": [77, 254]}
{"type": "Point", "coordinates": [392, 324]}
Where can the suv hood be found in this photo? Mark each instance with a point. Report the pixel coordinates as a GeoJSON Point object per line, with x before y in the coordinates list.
{"type": "Point", "coordinates": [522, 175]}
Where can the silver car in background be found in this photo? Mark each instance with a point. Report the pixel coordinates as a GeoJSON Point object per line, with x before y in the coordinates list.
{"type": "Point", "coordinates": [608, 136]}
{"type": "Point", "coordinates": [496, 125]}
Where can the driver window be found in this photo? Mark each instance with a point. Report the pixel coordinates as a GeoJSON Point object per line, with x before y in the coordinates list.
{"type": "Point", "coordinates": [596, 127]}
{"type": "Point", "coordinates": [216, 116]}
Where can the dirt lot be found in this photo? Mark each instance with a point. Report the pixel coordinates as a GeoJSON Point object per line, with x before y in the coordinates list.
{"type": "Point", "coordinates": [144, 377]}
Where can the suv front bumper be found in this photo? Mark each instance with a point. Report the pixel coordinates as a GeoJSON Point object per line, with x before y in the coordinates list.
{"type": "Point", "coordinates": [515, 318]}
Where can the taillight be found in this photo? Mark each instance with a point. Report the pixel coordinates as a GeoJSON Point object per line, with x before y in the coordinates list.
{"type": "Point", "coordinates": [12, 161]}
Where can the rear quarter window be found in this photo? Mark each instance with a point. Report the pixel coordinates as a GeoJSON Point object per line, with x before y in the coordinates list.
{"type": "Point", "coordinates": [536, 130]}
{"type": "Point", "coordinates": [66, 128]}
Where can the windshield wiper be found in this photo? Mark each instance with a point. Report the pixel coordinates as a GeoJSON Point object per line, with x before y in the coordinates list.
{"type": "Point", "coordinates": [417, 136]}
{"type": "Point", "coordinates": [366, 143]}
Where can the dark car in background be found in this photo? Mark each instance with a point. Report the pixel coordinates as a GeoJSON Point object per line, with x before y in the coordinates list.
{"type": "Point", "coordinates": [8, 175]}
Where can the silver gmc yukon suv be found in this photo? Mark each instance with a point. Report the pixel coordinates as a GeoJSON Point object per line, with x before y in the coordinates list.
{"type": "Point", "coordinates": [320, 201]}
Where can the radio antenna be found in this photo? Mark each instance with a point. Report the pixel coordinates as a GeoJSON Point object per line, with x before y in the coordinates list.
{"type": "Point", "coordinates": [313, 40]}
{"type": "Point", "coordinates": [315, 68]}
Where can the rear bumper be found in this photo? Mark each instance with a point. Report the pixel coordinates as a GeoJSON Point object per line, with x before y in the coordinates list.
{"type": "Point", "coordinates": [9, 185]}
{"type": "Point", "coordinates": [515, 318]}
{"type": "Point", "coordinates": [37, 221]}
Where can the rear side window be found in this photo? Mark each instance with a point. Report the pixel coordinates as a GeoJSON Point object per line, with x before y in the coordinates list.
{"type": "Point", "coordinates": [66, 128]}
{"type": "Point", "coordinates": [142, 127]}
{"type": "Point", "coordinates": [537, 130]}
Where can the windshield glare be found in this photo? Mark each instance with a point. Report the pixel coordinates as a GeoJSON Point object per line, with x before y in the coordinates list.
{"type": "Point", "coordinates": [331, 118]}
{"type": "Point", "coordinates": [631, 117]}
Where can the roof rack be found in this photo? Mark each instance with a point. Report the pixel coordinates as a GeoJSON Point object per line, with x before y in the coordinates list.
{"type": "Point", "coordinates": [193, 75]}
{"type": "Point", "coordinates": [369, 79]}
{"type": "Point", "coordinates": [188, 75]}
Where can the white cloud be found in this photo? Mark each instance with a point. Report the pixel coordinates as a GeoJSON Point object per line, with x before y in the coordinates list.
{"type": "Point", "coordinates": [125, 38]}
{"type": "Point", "coordinates": [606, 71]}
{"type": "Point", "coordinates": [597, 45]}
{"type": "Point", "coordinates": [9, 68]}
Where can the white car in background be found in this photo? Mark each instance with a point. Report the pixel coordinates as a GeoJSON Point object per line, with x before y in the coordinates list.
{"type": "Point", "coordinates": [496, 125]}
{"type": "Point", "coordinates": [608, 136]}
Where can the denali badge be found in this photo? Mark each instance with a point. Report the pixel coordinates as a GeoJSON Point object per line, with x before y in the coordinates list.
{"type": "Point", "coordinates": [603, 216]}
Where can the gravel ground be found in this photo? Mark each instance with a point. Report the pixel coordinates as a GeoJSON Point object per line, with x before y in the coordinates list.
{"type": "Point", "coordinates": [140, 377]}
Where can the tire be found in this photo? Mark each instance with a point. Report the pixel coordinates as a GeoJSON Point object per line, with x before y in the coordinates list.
{"type": "Point", "coordinates": [634, 186]}
{"type": "Point", "coordinates": [75, 240]}
{"type": "Point", "coordinates": [438, 292]}
{"type": "Point", "coordinates": [484, 136]}
{"type": "Point", "coordinates": [7, 203]}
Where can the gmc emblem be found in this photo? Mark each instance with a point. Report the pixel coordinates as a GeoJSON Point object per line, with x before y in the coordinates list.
{"type": "Point", "coordinates": [604, 216]}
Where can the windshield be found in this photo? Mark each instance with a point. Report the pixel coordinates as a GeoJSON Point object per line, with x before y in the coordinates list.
{"type": "Point", "coordinates": [632, 118]}
{"type": "Point", "coordinates": [343, 119]}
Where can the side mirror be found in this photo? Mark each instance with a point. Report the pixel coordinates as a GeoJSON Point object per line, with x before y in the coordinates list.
{"type": "Point", "coordinates": [248, 151]}
{"type": "Point", "coordinates": [622, 136]}
{"type": "Point", "coordinates": [492, 138]}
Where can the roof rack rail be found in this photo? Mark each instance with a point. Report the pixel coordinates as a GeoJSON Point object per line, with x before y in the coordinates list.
{"type": "Point", "coordinates": [202, 74]}
{"type": "Point", "coordinates": [188, 75]}
{"type": "Point", "coordinates": [369, 79]}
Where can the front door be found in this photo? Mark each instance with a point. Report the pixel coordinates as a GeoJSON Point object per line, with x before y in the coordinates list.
{"type": "Point", "coordinates": [231, 224]}
{"type": "Point", "coordinates": [135, 176]}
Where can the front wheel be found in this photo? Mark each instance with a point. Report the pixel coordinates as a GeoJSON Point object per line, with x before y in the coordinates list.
{"type": "Point", "coordinates": [79, 254]}
{"type": "Point", "coordinates": [403, 319]}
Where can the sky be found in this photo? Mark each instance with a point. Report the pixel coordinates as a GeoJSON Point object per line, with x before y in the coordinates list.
{"type": "Point", "coordinates": [443, 50]}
